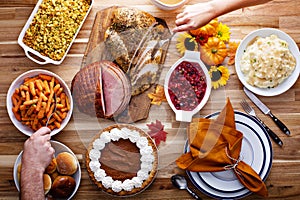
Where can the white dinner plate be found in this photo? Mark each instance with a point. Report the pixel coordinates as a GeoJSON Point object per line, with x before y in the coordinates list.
{"type": "Point", "coordinates": [287, 83]}
{"type": "Point", "coordinates": [256, 151]}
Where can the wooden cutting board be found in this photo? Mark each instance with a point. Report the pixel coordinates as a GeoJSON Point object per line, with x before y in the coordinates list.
{"type": "Point", "coordinates": [139, 105]}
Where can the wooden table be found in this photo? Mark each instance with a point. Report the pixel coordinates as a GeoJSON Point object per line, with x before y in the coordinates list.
{"type": "Point", "coordinates": [284, 179]}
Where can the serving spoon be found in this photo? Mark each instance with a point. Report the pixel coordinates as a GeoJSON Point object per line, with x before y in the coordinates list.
{"type": "Point", "coordinates": [180, 182]}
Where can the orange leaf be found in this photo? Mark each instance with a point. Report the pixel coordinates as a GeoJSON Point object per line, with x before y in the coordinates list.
{"type": "Point", "coordinates": [158, 96]}
{"type": "Point", "coordinates": [232, 51]}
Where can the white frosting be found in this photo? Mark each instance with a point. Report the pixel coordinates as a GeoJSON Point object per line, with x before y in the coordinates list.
{"type": "Point", "coordinates": [105, 138]}
{"type": "Point", "coordinates": [137, 182]}
{"type": "Point", "coordinates": [133, 136]}
{"type": "Point", "coordinates": [142, 142]}
{"type": "Point", "coordinates": [147, 159]}
{"type": "Point", "coordinates": [143, 174]}
{"type": "Point", "coordinates": [117, 186]}
{"type": "Point", "coordinates": [107, 182]}
{"type": "Point", "coordinates": [94, 165]}
{"type": "Point", "coordinates": [94, 154]}
{"type": "Point", "coordinates": [98, 144]}
{"type": "Point", "coordinates": [146, 152]}
{"type": "Point", "coordinates": [99, 174]}
{"type": "Point", "coordinates": [128, 185]}
{"type": "Point", "coordinates": [146, 166]}
{"type": "Point", "coordinates": [116, 134]}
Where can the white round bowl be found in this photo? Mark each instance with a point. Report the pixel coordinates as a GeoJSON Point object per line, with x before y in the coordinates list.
{"type": "Point", "coordinates": [287, 83]}
{"type": "Point", "coordinates": [58, 147]}
{"type": "Point", "coordinates": [16, 84]}
{"type": "Point", "coordinates": [183, 115]}
{"type": "Point", "coordinates": [165, 6]}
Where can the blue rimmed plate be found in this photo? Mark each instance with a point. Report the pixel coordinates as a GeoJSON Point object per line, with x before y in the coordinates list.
{"type": "Point", "coordinates": [256, 151]}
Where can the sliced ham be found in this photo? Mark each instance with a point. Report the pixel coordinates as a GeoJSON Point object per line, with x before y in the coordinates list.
{"type": "Point", "coordinates": [113, 91]}
{"type": "Point", "coordinates": [101, 89]}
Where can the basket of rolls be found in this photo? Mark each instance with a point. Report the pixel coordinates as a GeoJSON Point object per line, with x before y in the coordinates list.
{"type": "Point", "coordinates": [62, 176]}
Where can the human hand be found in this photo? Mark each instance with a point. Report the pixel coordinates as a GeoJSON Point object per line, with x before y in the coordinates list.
{"type": "Point", "coordinates": [38, 152]}
{"type": "Point", "coordinates": [194, 16]}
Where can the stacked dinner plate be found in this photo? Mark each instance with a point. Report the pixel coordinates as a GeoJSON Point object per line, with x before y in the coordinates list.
{"type": "Point", "coordinates": [256, 151]}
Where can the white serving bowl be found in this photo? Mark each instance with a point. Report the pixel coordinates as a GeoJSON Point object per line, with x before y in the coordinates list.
{"type": "Point", "coordinates": [192, 57]}
{"type": "Point", "coordinates": [287, 83]}
{"type": "Point", "coordinates": [58, 147]}
{"type": "Point", "coordinates": [36, 56]}
{"type": "Point", "coordinates": [16, 84]}
{"type": "Point", "coordinates": [165, 6]}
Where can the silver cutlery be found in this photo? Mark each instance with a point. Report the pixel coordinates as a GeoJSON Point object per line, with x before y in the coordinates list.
{"type": "Point", "coordinates": [251, 112]}
{"type": "Point", "coordinates": [266, 111]}
{"type": "Point", "coordinates": [180, 182]}
{"type": "Point", "coordinates": [54, 110]}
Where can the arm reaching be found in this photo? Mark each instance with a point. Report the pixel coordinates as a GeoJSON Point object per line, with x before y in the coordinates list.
{"type": "Point", "coordinates": [37, 155]}
{"type": "Point", "coordinates": [195, 16]}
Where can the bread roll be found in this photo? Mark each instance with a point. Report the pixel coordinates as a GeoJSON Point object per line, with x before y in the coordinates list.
{"type": "Point", "coordinates": [63, 186]}
{"type": "Point", "coordinates": [51, 167]}
{"type": "Point", "coordinates": [66, 163]}
{"type": "Point", "coordinates": [54, 175]}
{"type": "Point", "coordinates": [47, 183]}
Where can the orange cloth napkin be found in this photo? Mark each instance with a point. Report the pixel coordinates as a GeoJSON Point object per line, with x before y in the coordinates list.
{"type": "Point", "coordinates": [215, 145]}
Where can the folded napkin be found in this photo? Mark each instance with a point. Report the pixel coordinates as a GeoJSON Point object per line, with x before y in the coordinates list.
{"type": "Point", "coordinates": [215, 145]}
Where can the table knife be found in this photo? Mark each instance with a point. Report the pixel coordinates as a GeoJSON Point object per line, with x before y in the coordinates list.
{"type": "Point", "coordinates": [272, 135]}
{"type": "Point", "coordinates": [266, 111]}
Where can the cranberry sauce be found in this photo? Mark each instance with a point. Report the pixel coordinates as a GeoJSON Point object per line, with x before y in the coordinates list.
{"type": "Point", "coordinates": [187, 86]}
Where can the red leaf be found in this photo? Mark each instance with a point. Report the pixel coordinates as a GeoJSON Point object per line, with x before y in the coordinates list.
{"type": "Point", "coordinates": [157, 132]}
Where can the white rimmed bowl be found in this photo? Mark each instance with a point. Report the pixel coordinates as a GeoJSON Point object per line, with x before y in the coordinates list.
{"type": "Point", "coordinates": [58, 147]}
{"type": "Point", "coordinates": [169, 6]}
{"type": "Point", "coordinates": [288, 82]}
{"type": "Point", "coordinates": [16, 84]}
{"type": "Point", "coordinates": [192, 57]}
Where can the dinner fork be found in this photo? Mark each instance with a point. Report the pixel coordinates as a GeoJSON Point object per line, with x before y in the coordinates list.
{"type": "Point", "coordinates": [54, 110]}
{"type": "Point", "coordinates": [251, 112]}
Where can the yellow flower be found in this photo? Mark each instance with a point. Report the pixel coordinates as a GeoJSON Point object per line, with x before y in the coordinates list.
{"type": "Point", "coordinates": [219, 76]}
{"type": "Point", "coordinates": [186, 42]}
{"type": "Point", "coordinates": [223, 32]}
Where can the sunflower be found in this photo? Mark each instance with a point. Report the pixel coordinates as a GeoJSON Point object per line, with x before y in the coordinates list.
{"type": "Point", "coordinates": [219, 76]}
{"type": "Point", "coordinates": [223, 32]}
{"type": "Point", "coordinates": [186, 42]}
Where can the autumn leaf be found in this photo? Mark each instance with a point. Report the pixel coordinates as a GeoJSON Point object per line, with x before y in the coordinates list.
{"type": "Point", "coordinates": [158, 96]}
{"type": "Point", "coordinates": [232, 51]}
{"type": "Point", "coordinates": [157, 132]}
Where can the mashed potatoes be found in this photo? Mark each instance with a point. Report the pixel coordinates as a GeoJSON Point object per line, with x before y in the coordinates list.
{"type": "Point", "coordinates": [267, 62]}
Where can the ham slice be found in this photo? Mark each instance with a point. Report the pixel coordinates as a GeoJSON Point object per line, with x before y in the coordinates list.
{"type": "Point", "coordinates": [101, 89]}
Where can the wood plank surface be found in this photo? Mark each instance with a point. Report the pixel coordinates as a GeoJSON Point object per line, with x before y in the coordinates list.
{"type": "Point", "coordinates": [284, 179]}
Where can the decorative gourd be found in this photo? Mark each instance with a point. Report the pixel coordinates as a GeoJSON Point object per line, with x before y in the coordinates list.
{"type": "Point", "coordinates": [213, 52]}
{"type": "Point", "coordinates": [208, 29]}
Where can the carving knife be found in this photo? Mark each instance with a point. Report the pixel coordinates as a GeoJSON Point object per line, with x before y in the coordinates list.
{"type": "Point", "coordinates": [266, 111]}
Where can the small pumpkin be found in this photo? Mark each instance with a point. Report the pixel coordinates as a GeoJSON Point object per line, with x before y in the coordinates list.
{"type": "Point", "coordinates": [208, 29]}
{"type": "Point", "coordinates": [213, 52]}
